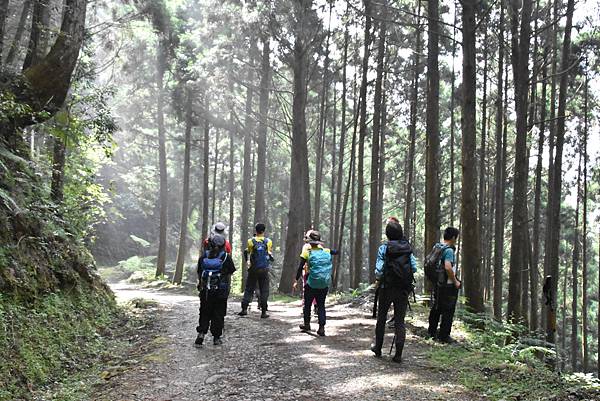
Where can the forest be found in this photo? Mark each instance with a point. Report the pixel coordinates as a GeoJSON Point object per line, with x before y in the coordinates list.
{"type": "Point", "coordinates": [128, 128]}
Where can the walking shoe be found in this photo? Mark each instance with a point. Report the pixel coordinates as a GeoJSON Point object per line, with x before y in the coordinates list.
{"type": "Point", "coordinates": [447, 340]}
{"type": "Point", "coordinates": [376, 351]}
{"type": "Point", "coordinates": [199, 340]}
{"type": "Point", "coordinates": [321, 330]}
{"type": "Point", "coordinates": [305, 326]}
{"type": "Point", "coordinates": [217, 341]}
{"type": "Point", "coordinates": [397, 358]}
{"type": "Point", "coordinates": [264, 315]}
{"type": "Point", "coordinates": [243, 312]}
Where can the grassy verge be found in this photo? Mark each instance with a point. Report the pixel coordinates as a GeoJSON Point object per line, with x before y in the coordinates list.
{"type": "Point", "coordinates": [497, 362]}
{"type": "Point", "coordinates": [59, 346]}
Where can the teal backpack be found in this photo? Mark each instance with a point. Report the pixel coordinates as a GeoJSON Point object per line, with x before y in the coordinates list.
{"type": "Point", "coordinates": [320, 263]}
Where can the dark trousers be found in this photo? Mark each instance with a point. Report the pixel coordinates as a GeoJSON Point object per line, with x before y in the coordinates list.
{"type": "Point", "coordinates": [311, 294]}
{"type": "Point", "coordinates": [213, 309]}
{"type": "Point", "coordinates": [387, 297]}
{"type": "Point", "coordinates": [444, 305]}
{"type": "Point", "coordinates": [260, 278]}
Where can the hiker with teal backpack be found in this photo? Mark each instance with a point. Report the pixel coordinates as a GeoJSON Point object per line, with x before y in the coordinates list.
{"type": "Point", "coordinates": [258, 255]}
{"type": "Point", "coordinates": [441, 270]}
{"type": "Point", "coordinates": [394, 272]}
{"type": "Point", "coordinates": [215, 268]}
{"type": "Point", "coordinates": [319, 263]}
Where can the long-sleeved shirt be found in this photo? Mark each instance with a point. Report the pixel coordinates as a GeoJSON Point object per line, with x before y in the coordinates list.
{"type": "Point", "coordinates": [381, 261]}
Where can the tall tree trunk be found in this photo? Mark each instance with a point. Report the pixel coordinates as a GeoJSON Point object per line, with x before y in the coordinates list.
{"type": "Point", "coordinates": [338, 236]}
{"type": "Point", "coordinates": [58, 170]}
{"type": "Point", "coordinates": [574, 276]}
{"type": "Point", "coordinates": [247, 172]}
{"type": "Point", "coordinates": [299, 213]}
{"type": "Point", "coordinates": [38, 39]}
{"type": "Point", "coordinates": [214, 180]}
{"type": "Point", "coordinates": [584, 307]}
{"type": "Point", "coordinates": [16, 42]}
{"type": "Point", "coordinates": [520, 60]}
{"type": "Point", "coordinates": [263, 110]}
{"type": "Point", "coordinates": [374, 217]}
{"type": "Point", "coordinates": [3, 15]}
{"type": "Point", "coordinates": [538, 205]}
{"type": "Point", "coordinates": [550, 310]}
{"type": "Point", "coordinates": [320, 151]}
{"type": "Point", "coordinates": [414, 105]}
{"type": "Point", "coordinates": [554, 196]}
{"type": "Point", "coordinates": [432, 168]}
{"type": "Point", "coordinates": [360, 201]}
{"type": "Point", "coordinates": [205, 169]}
{"type": "Point", "coordinates": [471, 263]}
{"type": "Point", "coordinates": [482, 209]}
{"type": "Point", "coordinates": [499, 177]}
{"type": "Point", "coordinates": [161, 66]}
{"type": "Point", "coordinates": [231, 176]}
{"type": "Point", "coordinates": [452, 122]}
{"type": "Point", "coordinates": [185, 201]}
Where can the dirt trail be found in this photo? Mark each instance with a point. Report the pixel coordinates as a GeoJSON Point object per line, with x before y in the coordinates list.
{"type": "Point", "coordinates": [270, 359]}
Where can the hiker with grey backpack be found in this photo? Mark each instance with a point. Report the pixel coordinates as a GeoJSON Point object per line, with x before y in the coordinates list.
{"type": "Point", "coordinates": [441, 270]}
{"type": "Point", "coordinates": [394, 272]}
{"type": "Point", "coordinates": [318, 262]}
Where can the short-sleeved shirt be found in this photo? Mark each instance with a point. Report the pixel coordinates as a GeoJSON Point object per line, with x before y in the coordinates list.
{"type": "Point", "coordinates": [306, 250]}
{"type": "Point", "coordinates": [259, 238]}
{"type": "Point", "coordinates": [306, 254]}
{"type": "Point", "coordinates": [448, 256]}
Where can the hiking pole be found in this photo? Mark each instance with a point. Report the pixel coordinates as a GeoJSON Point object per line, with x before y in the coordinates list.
{"type": "Point", "coordinates": [393, 343]}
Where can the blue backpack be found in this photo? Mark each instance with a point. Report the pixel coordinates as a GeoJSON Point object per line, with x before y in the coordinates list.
{"type": "Point", "coordinates": [260, 254]}
{"type": "Point", "coordinates": [211, 272]}
{"type": "Point", "coordinates": [320, 265]}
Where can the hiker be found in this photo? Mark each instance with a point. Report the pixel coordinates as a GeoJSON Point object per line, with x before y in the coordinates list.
{"type": "Point", "coordinates": [318, 261]}
{"type": "Point", "coordinates": [446, 285]}
{"type": "Point", "coordinates": [258, 255]}
{"type": "Point", "coordinates": [394, 272]}
{"type": "Point", "coordinates": [376, 297]}
{"type": "Point", "coordinates": [215, 268]}
{"type": "Point", "coordinates": [303, 271]}
{"type": "Point", "coordinates": [219, 228]}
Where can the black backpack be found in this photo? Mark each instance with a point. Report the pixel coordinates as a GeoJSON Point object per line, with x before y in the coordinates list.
{"type": "Point", "coordinates": [397, 269]}
{"type": "Point", "coordinates": [434, 269]}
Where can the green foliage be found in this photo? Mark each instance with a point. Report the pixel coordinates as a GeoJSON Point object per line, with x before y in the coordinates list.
{"type": "Point", "coordinates": [138, 263]}
{"type": "Point", "coordinates": [48, 339]}
{"type": "Point", "coordinates": [495, 363]}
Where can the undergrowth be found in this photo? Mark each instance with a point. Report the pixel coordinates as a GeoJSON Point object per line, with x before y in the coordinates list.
{"type": "Point", "coordinates": [500, 362]}
{"type": "Point", "coordinates": [49, 339]}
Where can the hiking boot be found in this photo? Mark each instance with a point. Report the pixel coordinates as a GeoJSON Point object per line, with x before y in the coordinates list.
{"type": "Point", "coordinates": [264, 314]}
{"type": "Point", "coordinates": [305, 326]}
{"type": "Point", "coordinates": [376, 350]}
{"type": "Point", "coordinates": [397, 358]}
{"type": "Point", "coordinates": [243, 312]}
{"type": "Point", "coordinates": [447, 340]}
{"type": "Point", "coordinates": [199, 340]}
{"type": "Point", "coordinates": [217, 341]}
{"type": "Point", "coordinates": [321, 330]}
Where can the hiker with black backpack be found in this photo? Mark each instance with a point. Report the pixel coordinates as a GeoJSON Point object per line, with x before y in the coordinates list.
{"type": "Point", "coordinates": [215, 268]}
{"type": "Point", "coordinates": [394, 271]}
{"type": "Point", "coordinates": [317, 261]}
{"type": "Point", "coordinates": [217, 229]}
{"type": "Point", "coordinates": [258, 255]}
{"type": "Point", "coordinates": [441, 270]}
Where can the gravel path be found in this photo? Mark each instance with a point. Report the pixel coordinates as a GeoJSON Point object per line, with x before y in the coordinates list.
{"type": "Point", "coordinates": [270, 359]}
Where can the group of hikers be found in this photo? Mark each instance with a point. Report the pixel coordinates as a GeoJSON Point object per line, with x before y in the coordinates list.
{"type": "Point", "coordinates": [395, 268]}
